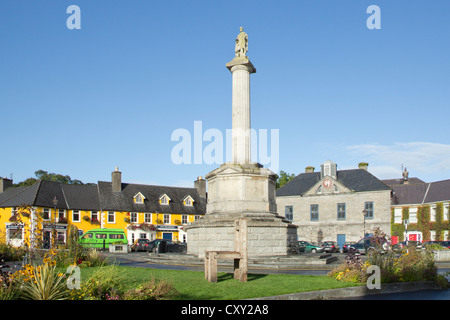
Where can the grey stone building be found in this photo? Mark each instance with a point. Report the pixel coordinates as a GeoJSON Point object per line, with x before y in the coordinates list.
{"type": "Point", "coordinates": [335, 205]}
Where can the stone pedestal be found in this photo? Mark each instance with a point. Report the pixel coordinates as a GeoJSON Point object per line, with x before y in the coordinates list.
{"type": "Point", "coordinates": [241, 191]}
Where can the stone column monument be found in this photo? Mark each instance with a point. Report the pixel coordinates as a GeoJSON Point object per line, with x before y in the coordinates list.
{"type": "Point", "coordinates": [241, 188]}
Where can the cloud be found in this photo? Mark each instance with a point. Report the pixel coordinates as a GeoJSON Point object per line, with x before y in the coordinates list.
{"type": "Point", "coordinates": [421, 158]}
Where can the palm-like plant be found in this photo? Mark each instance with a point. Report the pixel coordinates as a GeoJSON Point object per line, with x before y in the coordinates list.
{"type": "Point", "coordinates": [45, 284]}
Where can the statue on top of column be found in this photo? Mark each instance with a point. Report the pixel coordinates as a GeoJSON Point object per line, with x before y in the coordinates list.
{"type": "Point", "coordinates": [241, 47]}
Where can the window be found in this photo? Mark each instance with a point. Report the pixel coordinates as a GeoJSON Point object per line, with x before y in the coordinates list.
{"type": "Point", "coordinates": [368, 206]}
{"type": "Point", "coordinates": [76, 216]}
{"type": "Point", "coordinates": [15, 233]}
{"type": "Point", "coordinates": [148, 217]}
{"type": "Point", "coordinates": [433, 214]}
{"type": "Point", "coordinates": [100, 235]}
{"type": "Point", "coordinates": [164, 199]}
{"type": "Point", "coordinates": [139, 198]}
{"type": "Point", "coordinates": [184, 219]}
{"type": "Point", "coordinates": [398, 215]}
{"type": "Point", "coordinates": [94, 216]}
{"type": "Point", "coordinates": [188, 201]}
{"type": "Point", "coordinates": [111, 217]}
{"type": "Point", "coordinates": [133, 217]}
{"type": "Point", "coordinates": [46, 214]}
{"type": "Point", "coordinates": [445, 214]}
{"type": "Point", "coordinates": [196, 217]}
{"type": "Point", "coordinates": [319, 189]}
{"type": "Point", "coordinates": [314, 211]}
{"type": "Point", "coordinates": [341, 211]}
{"type": "Point", "coordinates": [61, 213]}
{"type": "Point", "coordinates": [289, 213]}
{"type": "Point", "coordinates": [412, 215]}
{"type": "Point", "coordinates": [116, 236]}
{"type": "Point", "coordinates": [166, 218]}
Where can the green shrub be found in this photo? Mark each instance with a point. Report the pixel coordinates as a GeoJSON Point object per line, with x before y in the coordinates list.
{"type": "Point", "coordinates": [152, 290]}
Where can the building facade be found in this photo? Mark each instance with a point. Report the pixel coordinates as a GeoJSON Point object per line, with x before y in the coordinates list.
{"type": "Point", "coordinates": [335, 205]}
{"type": "Point", "coordinates": [420, 210]}
{"type": "Point", "coordinates": [45, 211]}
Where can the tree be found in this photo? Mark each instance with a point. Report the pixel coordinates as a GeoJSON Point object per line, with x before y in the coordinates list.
{"type": "Point", "coordinates": [284, 178]}
{"type": "Point", "coordinates": [44, 175]}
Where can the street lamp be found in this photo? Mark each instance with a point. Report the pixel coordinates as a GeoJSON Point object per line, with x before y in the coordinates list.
{"type": "Point", "coordinates": [364, 212]}
{"type": "Point", "coordinates": [53, 241]}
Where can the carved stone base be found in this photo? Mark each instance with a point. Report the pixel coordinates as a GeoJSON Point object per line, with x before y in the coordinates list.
{"type": "Point", "coordinates": [241, 191]}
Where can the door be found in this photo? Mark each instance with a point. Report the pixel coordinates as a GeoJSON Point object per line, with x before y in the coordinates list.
{"type": "Point", "coordinates": [413, 237]}
{"type": "Point", "coordinates": [340, 241]}
{"type": "Point", "coordinates": [167, 235]}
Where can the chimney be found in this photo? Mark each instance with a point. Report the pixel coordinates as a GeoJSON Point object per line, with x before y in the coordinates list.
{"type": "Point", "coordinates": [309, 169]}
{"type": "Point", "coordinates": [200, 185]}
{"type": "Point", "coordinates": [5, 184]}
{"type": "Point", "coordinates": [116, 179]}
{"type": "Point", "coordinates": [363, 165]}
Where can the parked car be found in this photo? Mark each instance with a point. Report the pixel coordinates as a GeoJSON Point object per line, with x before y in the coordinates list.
{"type": "Point", "coordinates": [399, 246]}
{"type": "Point", "coordinates": [164, 245]}
{"type": "Point", "coordinates": [365, 245]}
{"type": "Point", "coordinates": [330, 246]}
{"type": "Point", "coordinates": [359, 247]}
{"type": "Point", "coordinates": [307, 247]}
{"type": "Point", "coordinates": [445, 244]}
{"type": "Point", "coordinates": [430, 243]}
{"type": "Point", "coordinates": [141, 245]}
{"type": "Point", "coordinates": [346, 246]}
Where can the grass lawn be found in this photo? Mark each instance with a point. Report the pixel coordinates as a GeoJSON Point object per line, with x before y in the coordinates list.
{"type": "Point", "coordinates": [192, 285]}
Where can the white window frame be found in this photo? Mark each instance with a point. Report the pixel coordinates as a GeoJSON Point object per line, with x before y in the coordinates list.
{"type": "Point", "coordinates": [49, 216]}
{"type": "Point", "coordinates": [433, 213]}
{"type": "Point", "coordinates": [73, 216]}
{"type": "Point", "coordinates": [139, 196]}
{"type": "Point", "coordinates": [164, 199]}
{"type": "Point", "coordinates": [113, 214]}
{"type": "Point", "coordinates": [184, 219]}
{"type": "Point", "coordinates": [166, 218]}
{"type": "Point", "coordinates": [95, 213]}
{"type": "Point", "coordinates": [148, 217]}
{"type": "Point", "coordinates": [397, 215]}
{"type": "Point", "coordinates": [188, 201]}
{"type": "Point", "coordinates": [412, 215]}
{"type": "Point", "coordinates": [134, 217]}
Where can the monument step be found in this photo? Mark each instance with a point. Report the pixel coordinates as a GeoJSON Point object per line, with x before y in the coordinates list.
{"type": "Point", "coordinates": [269, 262]}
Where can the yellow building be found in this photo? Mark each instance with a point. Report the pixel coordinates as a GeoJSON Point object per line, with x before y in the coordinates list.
{"type": "Point", "coordinates": [45, 211]}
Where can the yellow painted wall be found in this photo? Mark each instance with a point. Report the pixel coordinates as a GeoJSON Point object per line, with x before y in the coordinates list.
{"type": "Point", "coordinates": [121, 220]}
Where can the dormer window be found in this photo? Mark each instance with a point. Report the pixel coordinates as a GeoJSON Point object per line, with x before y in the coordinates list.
{"type": "Point", "coordinates": [139, 198]}
{"type": "Point", "coordinates": [164, 199]}
{"type": "Point", "coordinates": [188, 201]}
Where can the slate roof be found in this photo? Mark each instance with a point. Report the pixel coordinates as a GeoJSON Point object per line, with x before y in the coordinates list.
{"type": "Point", "coordinates": [101, 197]}
{"type": "Point", "coordinates": [358, 180]}
{"type": "Point", "coordinates": [420, 193]}
{"type": "Point", "coordinates": [123, 201]}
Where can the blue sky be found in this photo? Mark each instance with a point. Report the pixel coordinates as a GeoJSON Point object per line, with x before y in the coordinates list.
{"type": "Point", "coordinates": [81, 102]}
